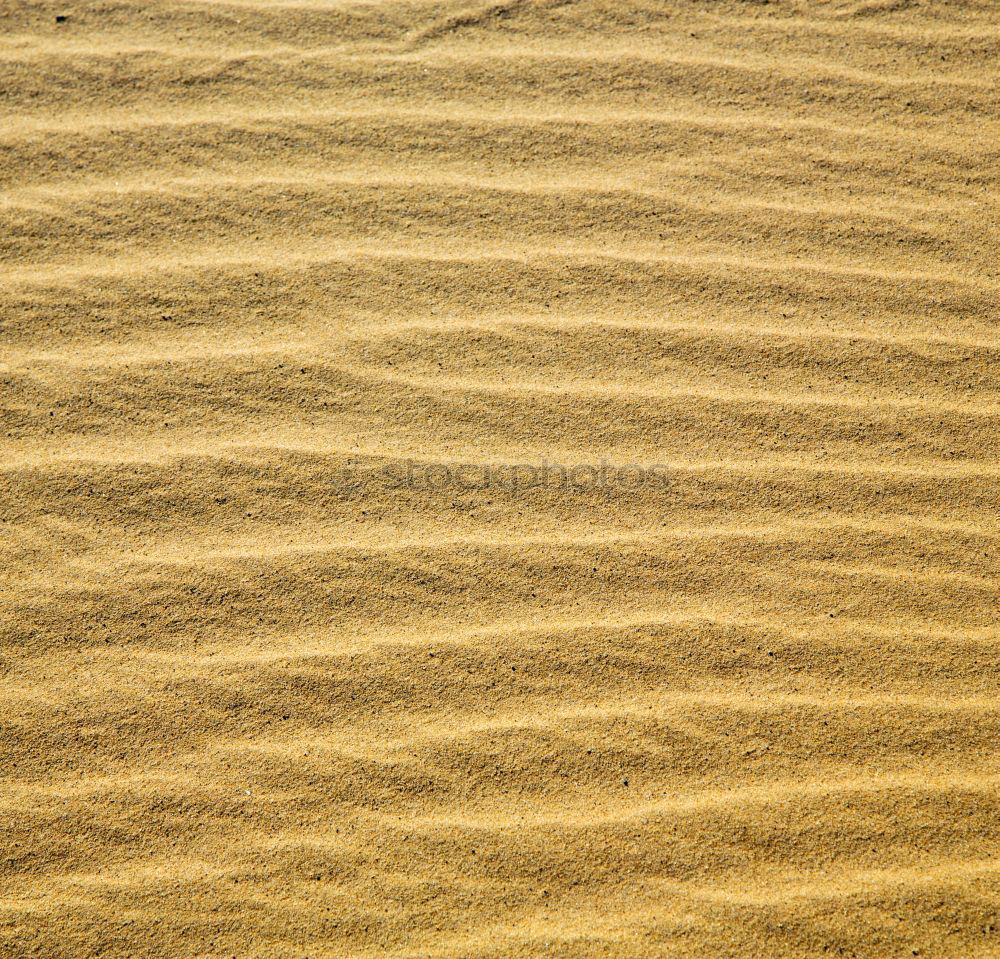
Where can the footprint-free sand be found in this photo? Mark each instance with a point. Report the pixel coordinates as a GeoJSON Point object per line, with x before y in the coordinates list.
{"type": "Point", "coordinates": [499, 481]}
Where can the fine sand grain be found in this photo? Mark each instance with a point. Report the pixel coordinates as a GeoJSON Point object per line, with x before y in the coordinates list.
{"type": "Point", "coordinates": [515, 479]}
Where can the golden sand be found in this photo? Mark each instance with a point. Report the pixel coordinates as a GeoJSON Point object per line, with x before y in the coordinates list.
{"type": "Point", "coordinates": [508, 480]}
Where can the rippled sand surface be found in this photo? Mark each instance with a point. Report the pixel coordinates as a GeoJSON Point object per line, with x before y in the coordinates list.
{"type": "Point", "coordinates": [502, 480]}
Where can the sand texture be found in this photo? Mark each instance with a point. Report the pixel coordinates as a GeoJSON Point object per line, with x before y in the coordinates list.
{"type": "Point", "coordinates": [285, 672]}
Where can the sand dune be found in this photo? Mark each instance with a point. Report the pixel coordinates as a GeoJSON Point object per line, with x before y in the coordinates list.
{"type": "Point", "coordinates": [516, 479]}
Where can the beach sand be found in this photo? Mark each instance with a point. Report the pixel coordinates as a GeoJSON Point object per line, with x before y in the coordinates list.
{"type": "Point", "coordinates": [503, 480]}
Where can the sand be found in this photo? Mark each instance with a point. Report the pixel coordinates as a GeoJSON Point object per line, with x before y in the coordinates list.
{"type": "Point", "coordinates": [503, 480]}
